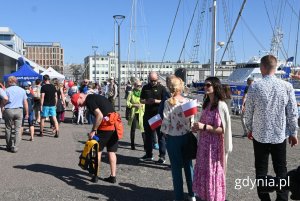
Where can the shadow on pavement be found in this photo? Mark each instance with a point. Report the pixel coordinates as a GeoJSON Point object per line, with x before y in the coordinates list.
{"type": "Point", "coordinates": [113, 192]}
{"type": "Point", "coordinates": [129, 160]}
{"type": "Point", "coordinates": [238, 136]}
{"type": "Point", "coordinates": [134, 161]}
{"type": "Point", "coordinates": [127, 145]}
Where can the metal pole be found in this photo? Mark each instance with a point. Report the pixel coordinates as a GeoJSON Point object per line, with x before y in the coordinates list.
{"type": "Point", "coordinates": [119, 19]}
{"type": "Point", "coordinates": [213, 40]}
{"type": "Point", "coordinates": [95, 50]}
{"type": "Point", "coordinates": [234, 26]}
{"type": "Point", "coordinates": [119, 67]}
{"type": "Point", "coordinates": [95, 65]}
{"type": "Point", "coordinates": [297, 40]}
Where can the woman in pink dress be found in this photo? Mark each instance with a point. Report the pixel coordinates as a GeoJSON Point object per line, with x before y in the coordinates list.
{"type": "Point", "coordinates": [214, 143]}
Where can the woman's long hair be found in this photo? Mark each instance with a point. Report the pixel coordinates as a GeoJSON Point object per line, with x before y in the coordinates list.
{"type": "Point", "coordinates": [175, 85]}
{"type": "Point", "coordinates": [56, 83]}
{"type": "Point", "coordinates": [219, 94]}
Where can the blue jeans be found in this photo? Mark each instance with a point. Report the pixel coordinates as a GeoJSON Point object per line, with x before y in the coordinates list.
{"type": "Point", "coordinates": [90, 117]}
{"type": "Point", "coordinates": [175, 146]}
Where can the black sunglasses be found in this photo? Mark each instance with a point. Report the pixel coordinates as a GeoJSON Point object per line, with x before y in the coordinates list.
{"type": "Point", "coordinates": [207, 85]}
{"type": "Point", "coordinates": [153, 80]}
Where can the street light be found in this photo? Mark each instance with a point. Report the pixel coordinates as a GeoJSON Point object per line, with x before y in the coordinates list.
{"type": "Point", "coordinates": [119, 19]}
{"type": "Point", "coordinates": [95, 50]}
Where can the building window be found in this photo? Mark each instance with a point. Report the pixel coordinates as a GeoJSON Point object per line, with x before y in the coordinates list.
{"type": "Point", "coordinates": [5, 37]}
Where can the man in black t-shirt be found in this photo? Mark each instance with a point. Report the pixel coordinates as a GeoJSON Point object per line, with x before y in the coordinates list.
{"type": "Point", "coordinates": [48, 104]}
{"type": "Point", "coordinates": [151, 96]}
{"type": "Point", "coordinates": [101, 107]}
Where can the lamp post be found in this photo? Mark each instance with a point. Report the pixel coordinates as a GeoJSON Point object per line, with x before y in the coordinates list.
{"type": "Point", "coordinates": [95, 50]}
{"type": "Point", "coordinates": [119, 19]}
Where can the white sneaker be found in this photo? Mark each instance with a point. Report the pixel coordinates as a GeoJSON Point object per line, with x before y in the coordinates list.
{"type": "Point", "coordinates": [191, 198]}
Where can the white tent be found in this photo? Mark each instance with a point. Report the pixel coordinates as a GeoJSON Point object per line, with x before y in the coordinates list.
{"type": "Point", "coordinates": [53, 74]}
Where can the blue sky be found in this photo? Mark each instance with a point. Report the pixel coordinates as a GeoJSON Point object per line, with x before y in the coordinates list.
{"type": "Point", "coordinates": [78, 25]}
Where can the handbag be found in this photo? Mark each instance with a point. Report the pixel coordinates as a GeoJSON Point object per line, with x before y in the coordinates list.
{"type": "Point", "coordinates": [190, 150]}
{"type": "Point", "coordinates": [59, 106]}
{"type": "Point", "coordinates": [127, 113]}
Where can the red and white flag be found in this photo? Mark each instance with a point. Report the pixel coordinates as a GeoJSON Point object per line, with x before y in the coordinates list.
{"type": "Point", "coordinates": [155, 122]}
{"type": "Point", "coordinates": [190, 108]}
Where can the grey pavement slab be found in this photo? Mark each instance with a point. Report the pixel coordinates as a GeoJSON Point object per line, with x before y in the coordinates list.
{"type": "Point", "coordinates": [47, 169]}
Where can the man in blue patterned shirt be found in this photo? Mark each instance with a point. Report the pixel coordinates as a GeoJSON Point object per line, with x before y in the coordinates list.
{"type": "Point", "coordinates": [271, 117]}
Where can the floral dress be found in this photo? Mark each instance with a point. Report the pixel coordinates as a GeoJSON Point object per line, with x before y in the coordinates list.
{"type": "Point", "coordinates": [209, 172]}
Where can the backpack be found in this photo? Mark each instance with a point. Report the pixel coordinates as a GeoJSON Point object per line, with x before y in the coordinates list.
{"type": "Point", "coordinates": [30, 98]}
{"type": "Point", "coordinates": [88, 159]}
{"type": "Point", "coordinates": [111, 93]}
{"type": "Point", "coordinates": [113, 121]}
{"type": "Point", "coordinates": [37, 93]}
{"type": "Point", "coordinates": [72, 91]}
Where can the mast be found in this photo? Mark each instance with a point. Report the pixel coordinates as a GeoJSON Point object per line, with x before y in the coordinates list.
{"type": "Point", "coordinates": [130, 37]}
{"type": "Point", "coordinates": [235, 24]}
{"type": "Point", "coordinates": [213, 39]}
{"type": "Point", "coordinates": [297, 40]}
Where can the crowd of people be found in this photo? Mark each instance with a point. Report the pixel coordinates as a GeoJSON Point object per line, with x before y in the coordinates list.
{"type": "Point", "coordinates": [269, 118]}
{"type": "Point", "coordinates": [24, 103]}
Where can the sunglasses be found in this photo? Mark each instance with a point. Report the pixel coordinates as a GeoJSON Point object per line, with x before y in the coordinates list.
{"type": "Point", "coordinates": [139, 85]}
{"type": "Point", "coordinates": [207, 85]}
{"type": "Point", "coordinates": [153, 80]}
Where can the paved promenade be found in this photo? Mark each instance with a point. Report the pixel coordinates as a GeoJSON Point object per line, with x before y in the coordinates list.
{"type": "Point", "coordinates": [46, 169]}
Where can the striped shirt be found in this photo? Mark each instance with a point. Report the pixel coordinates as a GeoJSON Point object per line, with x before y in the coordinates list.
{"type": "Point", "coordinates": [271, 110]}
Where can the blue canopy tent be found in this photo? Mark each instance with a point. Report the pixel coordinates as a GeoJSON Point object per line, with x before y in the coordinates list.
{"type": "Point", "coordinates": [25, 73]}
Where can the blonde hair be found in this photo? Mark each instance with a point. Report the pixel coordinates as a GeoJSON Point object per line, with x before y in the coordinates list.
{"type": "Point", "coordinates": [176, 85]}
{"type": "Point", "coordinates": [168, 79]}
{"type": "Point", "coordinates": [137, 82]}
{"type": "Point", "coordinates": [12, 80]}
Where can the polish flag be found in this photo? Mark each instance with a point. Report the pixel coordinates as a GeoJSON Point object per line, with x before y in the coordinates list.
{"type": "Point", "coordinates": [190, 108]}
{"type": "Point", "coordinates": [155, 122]}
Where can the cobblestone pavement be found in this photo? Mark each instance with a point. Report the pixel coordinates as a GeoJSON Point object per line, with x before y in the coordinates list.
{"type": "Point", "coordinates": [46, 169]}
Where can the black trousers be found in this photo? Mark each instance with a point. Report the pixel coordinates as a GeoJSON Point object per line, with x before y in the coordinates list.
{"type": "Point", "coordinates": [278, 154]}
{"type": "Point", "coordinates": [149, 135]}
{"type": "Point", "coordinates": [135, 121]}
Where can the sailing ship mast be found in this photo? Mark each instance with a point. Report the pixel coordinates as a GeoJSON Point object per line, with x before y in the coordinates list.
{"type": "Point", "coordinates": [213, 39]}
{"type": "Point", "coordinates": [297, 39]}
